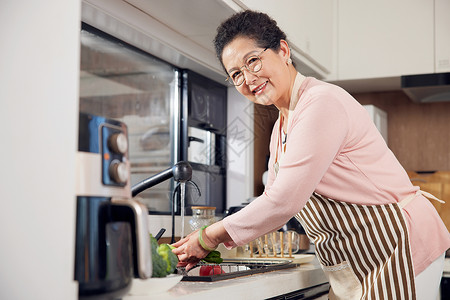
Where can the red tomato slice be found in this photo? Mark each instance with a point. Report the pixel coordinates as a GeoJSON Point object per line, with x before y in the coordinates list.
{"type": "Point", "coordinates": [216, 270]}
{"type": "Point", "coordinates": [205, 270]}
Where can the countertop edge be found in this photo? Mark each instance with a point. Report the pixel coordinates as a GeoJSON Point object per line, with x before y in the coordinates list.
{"type": "Point", "coordinates": [258, 286]}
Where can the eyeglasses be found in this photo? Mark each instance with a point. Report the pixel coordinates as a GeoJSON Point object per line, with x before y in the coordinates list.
{"type": "Point", "coordinates": [253, 64]}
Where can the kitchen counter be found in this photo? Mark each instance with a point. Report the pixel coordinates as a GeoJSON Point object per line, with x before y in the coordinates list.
{"type": "Point", "coordinates": [258, 286]}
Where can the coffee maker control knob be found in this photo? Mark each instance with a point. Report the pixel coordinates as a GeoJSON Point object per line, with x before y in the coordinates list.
{"type": "Point", "coordinates": [118, 143]}
{"type": "Point", "coordinates": [118, 172]}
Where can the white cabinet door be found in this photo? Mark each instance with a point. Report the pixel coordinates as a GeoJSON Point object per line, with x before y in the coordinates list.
{"type": "Point", "coordinates": [442, 27]}
{"type": "Point", "coordinates": [385, 38]}
{"type": "Point", "coordinates": [308, 25]}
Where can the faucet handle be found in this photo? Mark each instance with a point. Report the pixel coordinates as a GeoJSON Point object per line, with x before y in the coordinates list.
{"type": "Point", "coordinates": [182, 171]}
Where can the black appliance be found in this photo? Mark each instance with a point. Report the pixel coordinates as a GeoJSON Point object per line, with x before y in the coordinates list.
{"type": "Point", "coordinates": [203, 138]}
{"type": "Point", "coordinates": [445, 287]}
{"type": "Point", "coordinates": [112, 241]}
{"type": "Point", "coordinates": [427, 88]}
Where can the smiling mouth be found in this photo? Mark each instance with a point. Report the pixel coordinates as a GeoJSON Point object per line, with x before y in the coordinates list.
{"type": "Point", "coordinates": [259, 88]}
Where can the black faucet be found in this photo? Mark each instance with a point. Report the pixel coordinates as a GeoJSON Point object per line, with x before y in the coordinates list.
{"type": "Point", "coordinates": [181, 172]}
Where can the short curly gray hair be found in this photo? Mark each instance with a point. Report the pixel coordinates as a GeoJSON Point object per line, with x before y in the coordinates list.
{"type": "Point", "coordinates": [251, 24]}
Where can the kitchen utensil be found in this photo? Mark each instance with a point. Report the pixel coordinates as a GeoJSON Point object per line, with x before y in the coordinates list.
{"type": "Point", "coordinates": [160, 233]}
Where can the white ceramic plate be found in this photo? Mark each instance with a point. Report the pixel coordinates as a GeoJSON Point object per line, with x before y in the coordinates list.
{"type": "Point", "coordinates": [152, 286]}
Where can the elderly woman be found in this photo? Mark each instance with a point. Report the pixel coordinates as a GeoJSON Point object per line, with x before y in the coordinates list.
{"type": "Point", "coordinates": [376, 235]}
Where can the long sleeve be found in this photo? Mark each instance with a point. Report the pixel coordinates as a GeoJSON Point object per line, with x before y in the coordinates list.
{"type": "Point", "coordinates": [316, 133]}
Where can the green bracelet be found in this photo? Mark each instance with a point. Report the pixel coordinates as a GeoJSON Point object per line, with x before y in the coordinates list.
{"type": "Point", "coordinates": [202, 243]}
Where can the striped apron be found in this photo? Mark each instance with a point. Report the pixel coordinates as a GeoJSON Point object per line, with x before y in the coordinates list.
{"type": "Point", "coordinates": [363, 249]}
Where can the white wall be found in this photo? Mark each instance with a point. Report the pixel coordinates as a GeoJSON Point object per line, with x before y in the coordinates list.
{"type": "Point", "coordinates": [39, 70]}
{"type": "Point", "coordinates": [240, 145]}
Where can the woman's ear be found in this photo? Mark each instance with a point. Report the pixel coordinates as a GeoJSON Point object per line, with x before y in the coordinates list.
{"type": "Point", "coordinates": [285, 51]}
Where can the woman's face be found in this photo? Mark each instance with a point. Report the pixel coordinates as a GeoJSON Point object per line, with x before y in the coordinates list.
{"type": "Point", "coordinates": [271, 84]}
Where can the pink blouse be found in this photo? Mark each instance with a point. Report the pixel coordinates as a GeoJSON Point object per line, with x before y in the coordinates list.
{"type": "Point", "coordinates": [334, 148]}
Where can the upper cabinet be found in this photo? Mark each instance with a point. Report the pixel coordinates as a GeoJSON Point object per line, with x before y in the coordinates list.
{"type": "Point", "coordinates": [442, 22]}
{"type": "Point", "coordinates": [385, 38]}
{"type": "Point", "coordinates": [392, 38]}
{"type": "Point", "coordinates": [334, 40]}
{"type": "Point", "coordinates": [309, 27]}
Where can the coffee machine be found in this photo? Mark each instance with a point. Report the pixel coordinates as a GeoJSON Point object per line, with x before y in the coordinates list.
{"type": "Point", "coordinates": [112, 240]}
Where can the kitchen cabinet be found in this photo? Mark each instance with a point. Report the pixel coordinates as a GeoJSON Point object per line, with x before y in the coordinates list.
{"type": "Point", "coordinates": [442, 27]}
{"type": "Point", "coordinates": [309, 26]}
{"type": "Point", "coordinates": [385, 38]}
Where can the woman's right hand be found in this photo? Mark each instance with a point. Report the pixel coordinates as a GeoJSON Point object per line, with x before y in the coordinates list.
{"type": "Point", "coordinates": [189, 250]}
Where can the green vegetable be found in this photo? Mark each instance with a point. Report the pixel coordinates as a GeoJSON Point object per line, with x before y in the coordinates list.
{"type": "Point", "coordinates": [158, 263]}
{"type": "Point", "coordinates": [165, 251]}
{"type": "Point", "coordinates": [213, 257]}
{"type": "Point", "coordinates": [164, 261]}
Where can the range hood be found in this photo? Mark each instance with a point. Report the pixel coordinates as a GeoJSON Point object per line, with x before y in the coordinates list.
{"type": "Point", "coordinates": [427, 88]}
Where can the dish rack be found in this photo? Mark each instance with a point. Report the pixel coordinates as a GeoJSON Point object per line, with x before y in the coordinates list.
{"type": "Point", "coordinates": [231, 268]}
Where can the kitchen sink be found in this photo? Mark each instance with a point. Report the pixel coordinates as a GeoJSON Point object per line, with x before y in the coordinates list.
{"type": "Point", "coordinates": [232, 268]}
